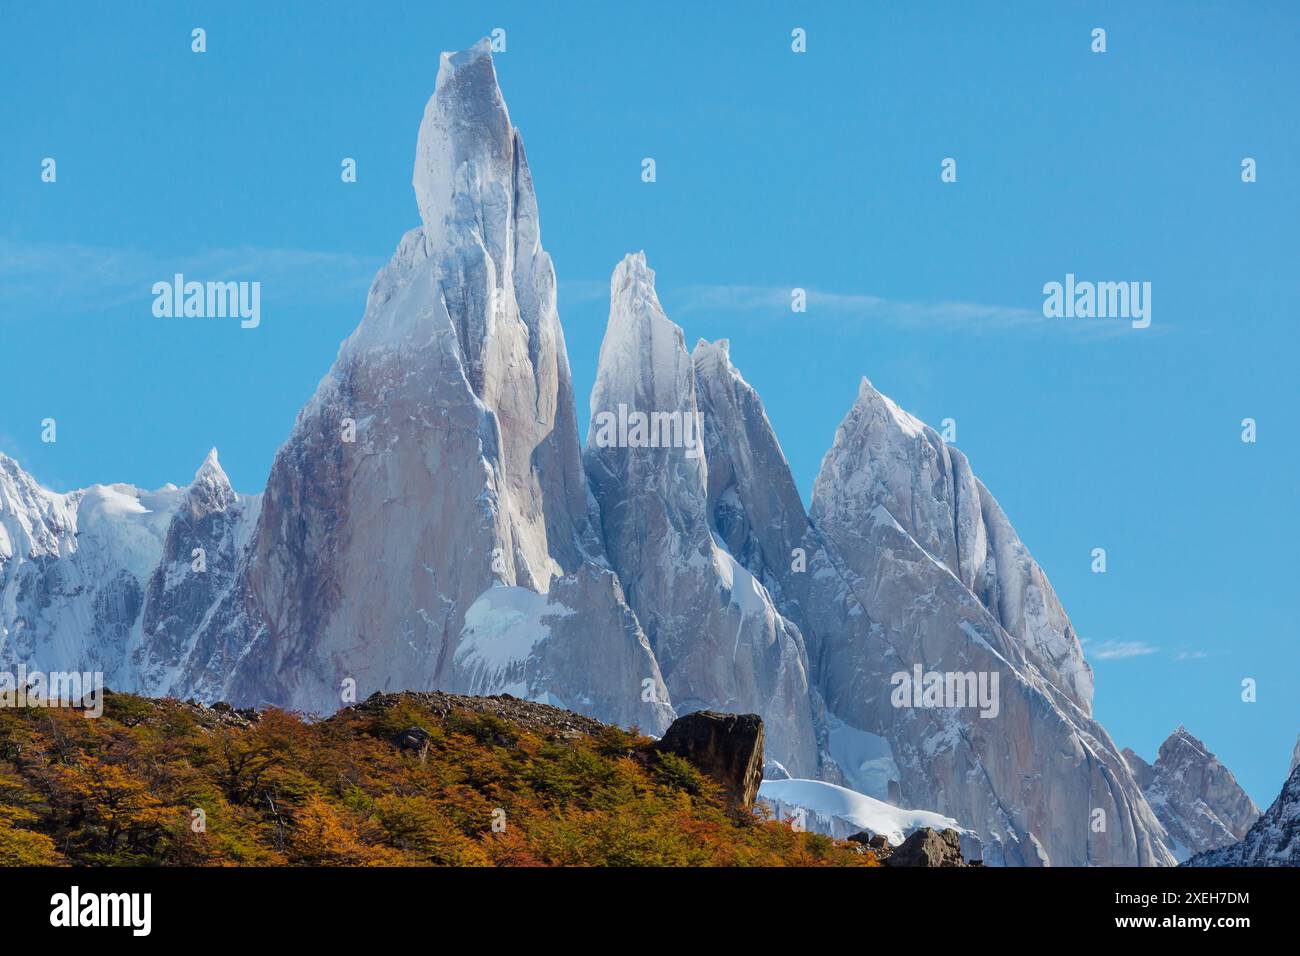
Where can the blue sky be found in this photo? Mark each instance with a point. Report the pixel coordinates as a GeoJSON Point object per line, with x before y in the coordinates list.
{"type": "Point", "coordinates": [775, 170]}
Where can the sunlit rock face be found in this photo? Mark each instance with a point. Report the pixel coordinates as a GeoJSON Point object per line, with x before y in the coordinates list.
{"type": "Point", "coordinates": [714, 628]}
{"type": "Point", "coordinates": [1195, 797]}
{"type": "Point", "coordinates": [904, 559]}
{"type": "Point", "coordinates": [428, 522]}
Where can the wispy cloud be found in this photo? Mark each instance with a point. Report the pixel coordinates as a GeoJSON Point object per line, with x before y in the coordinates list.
{"type": "Point", "coordinates": [1121, 650]}
{"type": "Point", "coordinates": [774, 301]}
{"type": "Point", "coordinates": [69, 275]}
{"type": "Point", "coordinates": [1190, 655]}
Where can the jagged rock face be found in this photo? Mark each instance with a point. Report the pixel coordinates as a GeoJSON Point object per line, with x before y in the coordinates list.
{"type": "Point", "coordinates": [73, 569]}
{"type": "Point", "coordinates": [1030, 778]}
{"type": "Point", "coordinates": [755, 509]}
{"type": "Point", "coordinates": [201, 556]}
{"type": "Point", "coordinates": [870, 602]}
{"type": "Point", "coordinates": [883, 457]}
{"type": "Point", "coordinates": [753, 503]}
{"type": "Point", "coordinates": [714, 628]}
{"type": "Point", "coordinates": [1194, 796]}
{"type": "Point", "coordinates": [727, 747]}
{"type": "Point", "coordinates": [928, 848]}
{"type": "Point", "coordinates": [428, 523]}
{"type": "Point", "coordinates": [1273, 840]}
{"type": "Point", "coordinates": [1295, 755]}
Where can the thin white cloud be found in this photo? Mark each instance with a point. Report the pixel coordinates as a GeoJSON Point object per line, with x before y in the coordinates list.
{"type": "Point", "coordinates": [69, 275]}
{"type": "Point", "coordinates": [774, 301]}
{"type": "Point", "coordinates": [1121, 650]}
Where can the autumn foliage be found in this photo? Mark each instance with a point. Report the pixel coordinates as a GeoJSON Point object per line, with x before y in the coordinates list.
{"type": "Point", "coordinates": [160, 782]}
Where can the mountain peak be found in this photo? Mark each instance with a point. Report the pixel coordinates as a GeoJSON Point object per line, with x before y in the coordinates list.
{"type": "Point", "coordinates": [211, 489]}
{"type": "Point", "coordinates": [211, 470]}
{"type": "Point", "coordinates": [1182, 735]}
{"type": "Point", "coordinates": [452, 60]}
{"type": "Point", "coordinates": [634, 307]}
{"type": "Point", "coordinates": [1195, 797]}
{"type": "Point", "coordinates": [632, 271]}
{"type": "Point", "coordinates": [466, 143]}
{"type": "Point", "coordinates": [870, 397]}
{"type": "Point", "coordinates": [643, 357]}
{"type": "Point", "coordinates": [719, 350]}
{"type": "Point", "coordinates": [210, 466]}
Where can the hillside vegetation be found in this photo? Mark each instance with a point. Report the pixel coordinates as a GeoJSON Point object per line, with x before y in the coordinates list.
{"type": "Point", "coordinates": [409, 779]}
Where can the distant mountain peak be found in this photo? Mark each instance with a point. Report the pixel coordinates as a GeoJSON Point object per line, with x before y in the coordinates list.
{"type": "Point", "coordinates": [211, 471]}
{"type": "Point", "coordinates": [1195, 797]}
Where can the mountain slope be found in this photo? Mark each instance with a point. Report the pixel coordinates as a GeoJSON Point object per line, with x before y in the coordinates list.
{"type": "Point", "coordinates": [1029, 777]}
{"type": "Point", "coordinates": [200, 560]}
{"type": "Point", "coordinates": [399, 780]}
{"type": "Point", "coordinates": [1273, 840]}
{"type": "Point", "coordinates": [872, 602]}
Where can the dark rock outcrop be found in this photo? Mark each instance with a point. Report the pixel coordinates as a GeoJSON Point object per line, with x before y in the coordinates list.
{"type": "Point", "coordinates": [727, 747]}
{"type": "Point", "coordinates": [877, 841]}
{"type": "Point", "coordinates": [927, 847]}
{"type": "Point", "coordinates": [414, 740]}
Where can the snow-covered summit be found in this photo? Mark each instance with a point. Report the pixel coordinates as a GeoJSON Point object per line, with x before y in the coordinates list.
{"type": "Point", "coordinates": [211, 470]}
{"type": "Point", "coordinates": [33, 520]}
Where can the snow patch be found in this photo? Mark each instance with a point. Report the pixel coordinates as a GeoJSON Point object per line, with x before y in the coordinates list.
{"type": "Point", "coordinates": [841, 812]}
{"type": "Point", "coordinates": [502, 627]}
